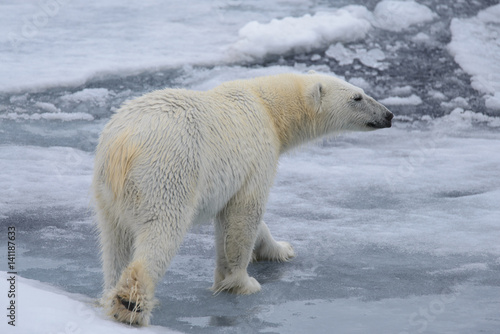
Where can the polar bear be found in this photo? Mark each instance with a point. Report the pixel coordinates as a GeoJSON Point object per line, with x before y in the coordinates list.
{"type": "Point", "coordinates": [175, 157]}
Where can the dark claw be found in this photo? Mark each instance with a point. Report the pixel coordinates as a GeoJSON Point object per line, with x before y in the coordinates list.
{"type": "Point", "coordinates": [131, 306]}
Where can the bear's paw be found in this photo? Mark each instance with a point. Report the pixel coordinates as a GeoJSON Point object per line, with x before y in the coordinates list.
{"type": "Point", "coordinates": [281, 251]}
{"type": "Point", "coordinates": [132, 300]}
{"type": "Point", "coordinates": [238, 283]}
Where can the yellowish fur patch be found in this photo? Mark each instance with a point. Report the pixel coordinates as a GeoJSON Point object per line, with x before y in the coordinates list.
{"type": "Point", "coordinates": [121, 155]}
{"type": "Point", "coordinates": [284, 98]}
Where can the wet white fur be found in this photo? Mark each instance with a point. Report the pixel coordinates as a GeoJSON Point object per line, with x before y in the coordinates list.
{"type": "Point", "coordinates": [175, 157]}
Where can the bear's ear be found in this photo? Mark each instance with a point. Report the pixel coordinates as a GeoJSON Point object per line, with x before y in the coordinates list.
{"type": "Point", "coordinates": [315, 96]}
{"type": "Point", "coordinates": [311, 72]}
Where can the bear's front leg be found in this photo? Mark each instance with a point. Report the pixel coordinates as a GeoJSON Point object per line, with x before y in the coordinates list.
{"type": "Point", "coordinates": [237, 227]}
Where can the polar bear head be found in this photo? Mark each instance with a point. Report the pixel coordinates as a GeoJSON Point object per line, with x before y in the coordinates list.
{"type": "Point", "coordinates": [340, 106]}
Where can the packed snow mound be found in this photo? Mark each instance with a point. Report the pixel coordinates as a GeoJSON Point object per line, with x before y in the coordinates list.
{"type": "Point", "coordinates": [302, 34]}
{"type": "Point", "coordinates": [309, 32]}
{"type": "Point", "coordinates": [45, 309]}
{"type": "Point", "coordinates": [399, 15]}
{"type": "Point", "coordinates": [469, 38]}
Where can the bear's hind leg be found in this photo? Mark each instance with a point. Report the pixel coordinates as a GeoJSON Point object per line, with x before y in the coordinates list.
{"type": "Point", "coordinates": [155, 244]}
{"type": "Point", "coordinates": [268, 249]}
{"type": "Point", "coordinates": [116, 244]}
{"type": "Point", "coordinates": [132, 300]}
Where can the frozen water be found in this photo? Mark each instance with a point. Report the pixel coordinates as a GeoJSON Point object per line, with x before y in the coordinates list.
{"type": "Point", "coordinates": [344, 56]}
{"type": "Point", "coordinates": [47, 43]}
{"type": "Point", "coordinates": [476, 47]}
{"type": "Point", "coordinates": [36, 177]}
{"type": "Point", "coordinates": [396, 230]}
{"type": "Point", "coordinates": [493, 102]}
{"type": "Point", "coordinates": [413, 100]}
{"type": "Point", "coordinates": [301, 34]}
{"type": "Point", "coordinates": [399, 15]}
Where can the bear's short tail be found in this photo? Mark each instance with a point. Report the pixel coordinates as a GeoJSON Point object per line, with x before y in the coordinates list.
{"type": "Point", "coordinates": [120, 157]}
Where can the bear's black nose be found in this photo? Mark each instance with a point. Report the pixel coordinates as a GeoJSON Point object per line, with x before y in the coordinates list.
{"type": "Point", "coordinates": [389, 116]}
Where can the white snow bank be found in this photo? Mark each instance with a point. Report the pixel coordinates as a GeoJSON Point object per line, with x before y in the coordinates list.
{"type": "Point", "coordinates": [399, 15]}
{"type": "Point", "coordinates": [41, 308]}
{"type": "Point", "coordinates": [412, 100]}
{"type": "Point", "coordinates": [305, 33]}
{"type": "Point", "coordinates": [475, 45]}
{"type": "Point", "coordinates": [309, 32]}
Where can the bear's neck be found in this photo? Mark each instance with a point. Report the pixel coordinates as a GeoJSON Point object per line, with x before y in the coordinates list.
{"type": "Point", "coordinates": [293, 121]}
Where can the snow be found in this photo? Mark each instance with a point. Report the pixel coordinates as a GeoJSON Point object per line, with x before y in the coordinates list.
{"type": "Point", "coordinates": [344, 56]}
{"type": "Point", "coordinates": [465, 119]}
{"type": "Point", "coordinates": [475, 46]}
{"type": "Point", "coordinates": [402, 90]}
{"type": "Point", "coordinates": [305, 33]}
{"type": "Point", "coordinates": [47, 107]}
{"type": "Point", "coordinates": [47, 47]}
{"type": "Point", "coordinates": [315, 57]}
{"type": "Point", "coordinates": [72, 42]}
{"type": "Point", "coordinates": [396, 230]}
{"type": "Point", "coordinates": [437, 95]}
{"type": "Point", "coordinates": [399, 15]}
{"type": "Point", "coordinates": [454, 103]}
{"type": "Point", "coordinates": [413, 100]}
{"type": "Point", "coordinates": [93, 95]}
{"type": "Point", "coordinates": [62, 116]}
{"type": "Point", "coordinates": [421, 38]}
{"type": "Point", "coordinates": [45, 309]}
{"type": "Point", "coordinates": [493, 102]}
{"type": "Point", "coordinates": [359, 82]}
{"type": "Point", "coordinates": [344, 25]}
{"type": "Point", "coordinates": [38, 177]}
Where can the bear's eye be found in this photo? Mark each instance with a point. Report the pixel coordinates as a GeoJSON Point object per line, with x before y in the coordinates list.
{"type": "Point", "coordinates": [357, 97]}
